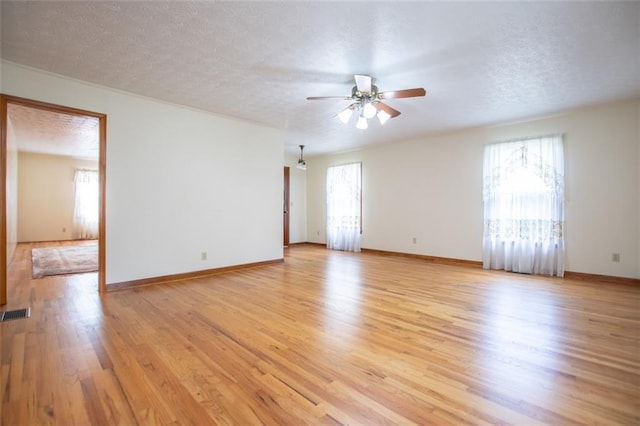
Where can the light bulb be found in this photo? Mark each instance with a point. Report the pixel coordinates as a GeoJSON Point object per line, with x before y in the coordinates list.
{"type": "Point", "coordinates": [383, 116]}
{"type": "Point", "coordinates": [369, 110]}
{"type": "Point", "coordinates": [362, 123]}
{"type": "Point", "coordinates": [345, 114]}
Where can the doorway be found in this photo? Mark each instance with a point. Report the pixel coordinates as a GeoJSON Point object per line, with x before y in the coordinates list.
{"type": "Point", "coordinates": [8, 180]}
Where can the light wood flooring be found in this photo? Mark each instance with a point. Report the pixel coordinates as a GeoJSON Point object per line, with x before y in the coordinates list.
{"type": "Point", "coordinates": [324, 338]}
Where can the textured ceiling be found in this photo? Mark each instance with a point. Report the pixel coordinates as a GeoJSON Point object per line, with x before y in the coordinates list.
{"type": "Point", "coordinates": [54, 133]}
{"type": "Point", "coordinates": [481, 62]}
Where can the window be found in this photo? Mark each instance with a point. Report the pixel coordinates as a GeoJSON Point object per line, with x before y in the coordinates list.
{"type": "Point", "coordinates": [85, 212]}
{"type": "Point", "coordinates": [344, 207]}
{"type": "Point", "coordinates": [524, 206]}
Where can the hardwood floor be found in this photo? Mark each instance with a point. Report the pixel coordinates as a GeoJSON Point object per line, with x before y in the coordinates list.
{"type": "Point", "coordinates": [324, 338]}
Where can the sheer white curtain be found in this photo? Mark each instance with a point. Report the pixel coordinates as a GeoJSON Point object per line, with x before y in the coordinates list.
{"type": "Point", "coordinates": [524, 206]}
{"type": "Point", "coordinates": [85, 212]}
{"type": "Point", "coordinates": [344, 187]}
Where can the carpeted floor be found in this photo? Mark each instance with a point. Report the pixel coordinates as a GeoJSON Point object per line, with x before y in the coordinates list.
{"type": "Point", "coordinates": [64, 260]}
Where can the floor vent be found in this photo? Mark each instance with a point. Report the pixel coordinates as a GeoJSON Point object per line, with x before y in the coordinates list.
{"type": "Point", "coordinates": [17, 314]}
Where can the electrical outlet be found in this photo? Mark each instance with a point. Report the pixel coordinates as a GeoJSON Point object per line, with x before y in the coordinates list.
{"type": "Point", "coordinates": [615, 257]}
{"type": "Point", "coordinates": [64, 229]}
{"type": "Point", "coordinates": [318, 233]}
{"type": "Point", "coordinates": [414, 240]}
{"type": "Point", "coordinates": [203, 255]}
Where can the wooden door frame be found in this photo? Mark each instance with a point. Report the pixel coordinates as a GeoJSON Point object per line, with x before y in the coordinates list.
{"type": "Point", "coordinates": [5, 101]}
{"type": "Point", "coordinates": [287, 208]}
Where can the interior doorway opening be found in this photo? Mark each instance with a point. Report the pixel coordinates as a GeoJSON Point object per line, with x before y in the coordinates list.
{"type": "Point", "coordinates": [43, 131]}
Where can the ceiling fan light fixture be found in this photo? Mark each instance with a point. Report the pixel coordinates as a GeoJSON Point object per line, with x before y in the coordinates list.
{"type": "Point", "coordinates": [369, 111]}
{"type": "Point", "coordinates": [362, 123]}
{"type": "Point", "coordinates": [302, 165]}
{"type": "Point", "coordinates": [383, 116]}
{"type": "Point", "coordinates": [345, 114]}
{"type": "Point", "coordinates": [369, 102]}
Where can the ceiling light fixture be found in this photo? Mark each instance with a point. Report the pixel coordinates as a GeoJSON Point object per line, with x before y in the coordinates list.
{"type": "Point", "coordinates": [368, 101]}
{"type": "Point", "coordinates": [369, 111]}
{"type": "Point", "coordinates": [368, 107]}
{"type": "Point", "coordinates": [362, 122]}
{"type": "Point", "coordinates": [346, 113]}
{"type": "Point", "coordinates": [302, 165]}
{"type": "Point", "coordinates": [383, 116]}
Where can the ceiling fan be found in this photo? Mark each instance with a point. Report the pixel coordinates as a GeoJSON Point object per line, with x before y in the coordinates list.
{"type": "Point", "coordinates": [368, 101]}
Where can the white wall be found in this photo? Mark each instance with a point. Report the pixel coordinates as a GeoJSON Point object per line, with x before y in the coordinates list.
{"type": "Point", "coordinates": [431, 189]}
{"type": "Point", "coordinates": [179, 181]}
{"type": "Point", "coordinates": [46, 196]}
{"type": "Point", "coordinates": [12, 191]}
{"type": "Point", "coordinates": [298, 201]}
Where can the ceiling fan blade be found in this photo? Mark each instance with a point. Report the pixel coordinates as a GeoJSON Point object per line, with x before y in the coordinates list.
{"type": "Point", "coordinates": [386, 108]}
{"type": "Point", "coordinates": [363, 83]}
{"type": "Point", "coordinates": [315, 98]}
{"type": "Point", "coordinates": [406, 93]}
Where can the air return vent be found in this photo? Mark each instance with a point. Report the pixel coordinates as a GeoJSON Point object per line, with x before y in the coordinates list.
{"type": "Point", "coordinates": [16, 314]}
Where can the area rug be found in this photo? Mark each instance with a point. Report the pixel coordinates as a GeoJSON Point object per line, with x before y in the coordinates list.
{"type": "Point", "coordinates": [64, 260]}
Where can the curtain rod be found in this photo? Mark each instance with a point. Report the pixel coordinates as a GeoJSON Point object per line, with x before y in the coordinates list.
{"type": "Point", "coordinates": [526, 138]}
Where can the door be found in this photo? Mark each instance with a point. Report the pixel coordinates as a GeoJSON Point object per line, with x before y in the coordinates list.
{"type": "Point", "coordinates": [286, 205]}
